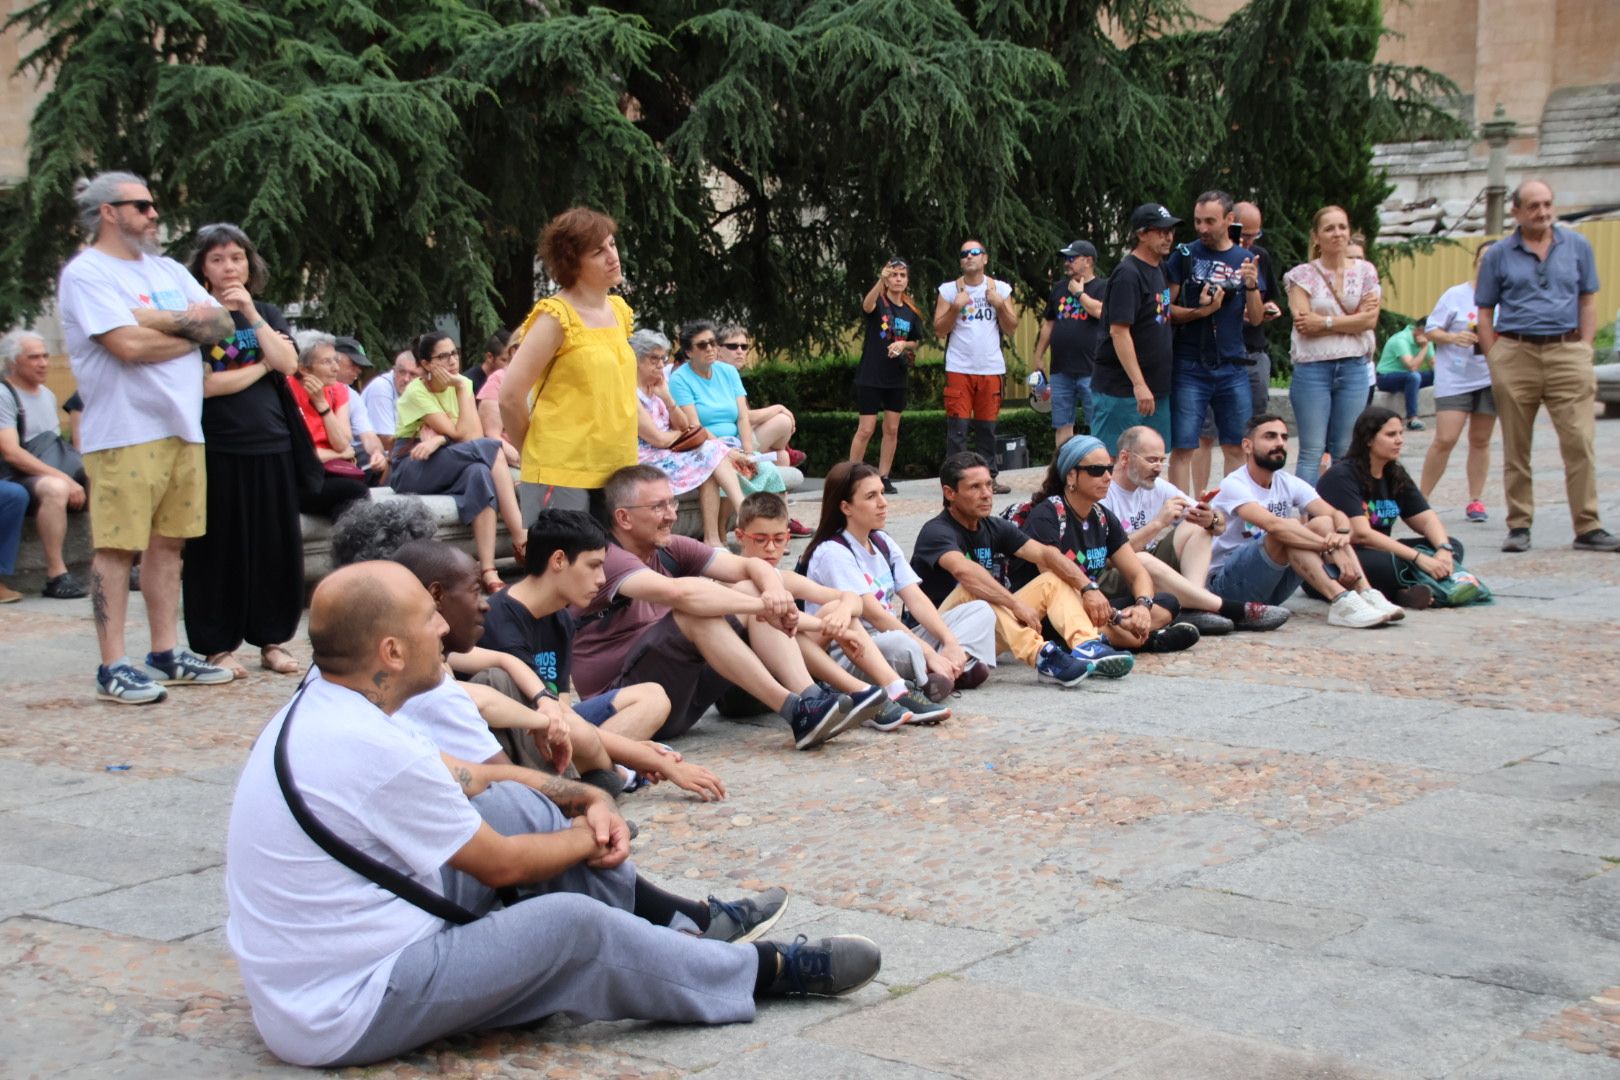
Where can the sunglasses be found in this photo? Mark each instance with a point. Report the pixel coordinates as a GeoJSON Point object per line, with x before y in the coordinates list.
{"type": "Point", "coordinates": [736, 345]}
{"type": "Point", "coordinates": [142, 206]}
{"type": "Point", "coordinates": [967, 252]}
{"type": "Point", "coordinates": [896, 264]}
{"type": "Point", "coordinates": [706, 343]}
{"type": "Point", "coordinates": [1095, 470]}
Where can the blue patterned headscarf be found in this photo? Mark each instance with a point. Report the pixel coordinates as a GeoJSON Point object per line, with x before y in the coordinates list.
{"type": "Point", "coordinates": [1074, 452]}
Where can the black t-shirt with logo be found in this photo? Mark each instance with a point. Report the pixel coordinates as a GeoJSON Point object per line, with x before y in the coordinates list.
{"type": "Point", "coordinates": [1075, 334]}
{"type": "Point", "coordinates": [885, 324]}
{"type": "Point", "coordinates": [251, 420]}
{"type": "Point", "coordinates": [1138, 294]}
{"type": "Point", "coordinates": [545, 644]}
{"type": "Point", "coordinates": [1090, 541]}
{"type": "Point", "coordinates": [1341, 486]}
{"type": "Point", "coordinates": [993, 544]}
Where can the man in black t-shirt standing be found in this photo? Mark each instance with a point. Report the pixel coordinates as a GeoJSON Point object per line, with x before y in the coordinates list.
{"type": "Point", "coordinates": [1130, 381]}
{"type": "Point", "coordinates": [1072, 327]}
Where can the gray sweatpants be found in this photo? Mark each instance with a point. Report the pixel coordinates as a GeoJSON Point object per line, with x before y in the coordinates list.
{"type": "Point", "coordinates": [974, 625]}
{"type": "Point", "coordinates": [573, 948]}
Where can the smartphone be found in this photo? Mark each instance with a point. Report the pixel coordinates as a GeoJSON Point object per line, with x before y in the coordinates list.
{"type": "Point", "coordinates": [1234, 232]}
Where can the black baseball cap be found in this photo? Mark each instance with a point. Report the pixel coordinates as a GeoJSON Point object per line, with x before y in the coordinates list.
{"type": "Point", "coordinates": [1079, 248]}
{"type": "Point", "coordinates": [1152, 216]}
{"type": "Point", "coordinates": [351, 348]}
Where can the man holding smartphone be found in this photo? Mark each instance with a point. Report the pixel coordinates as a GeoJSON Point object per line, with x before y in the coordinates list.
{"type": "Point", "coordinates": [1214, 291]}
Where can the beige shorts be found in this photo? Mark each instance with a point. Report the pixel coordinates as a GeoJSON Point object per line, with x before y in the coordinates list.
{"type": "Point", "coordinates": [159, 486]}
{"type": "Point", "coordinates": [1113, 582]}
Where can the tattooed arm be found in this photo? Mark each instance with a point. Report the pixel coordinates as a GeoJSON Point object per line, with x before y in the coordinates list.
{"type": "Point", "coordinates": [200, 324]}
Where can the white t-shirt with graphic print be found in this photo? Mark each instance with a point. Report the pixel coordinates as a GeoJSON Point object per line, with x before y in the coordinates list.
{"type": "Point", "coordinates": [975, 342]}
{"type": "Point", "coordinates": [1285, 497]}
{"type": "Point", "coordinates": [862, 572]}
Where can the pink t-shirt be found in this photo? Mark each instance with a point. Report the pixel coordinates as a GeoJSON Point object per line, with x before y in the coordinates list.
{"type": "Point", "coordinates": [1360, 279]}
{"type": "Point", "coordinates": [491, 390]}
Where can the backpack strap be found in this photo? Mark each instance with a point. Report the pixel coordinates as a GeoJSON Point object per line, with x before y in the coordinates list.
{"type": "Point", "coordinates": [379, 873]}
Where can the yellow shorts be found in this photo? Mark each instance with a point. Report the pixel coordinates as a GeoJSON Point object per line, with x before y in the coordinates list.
{"type": "Point", "coordinates": [159, 486]}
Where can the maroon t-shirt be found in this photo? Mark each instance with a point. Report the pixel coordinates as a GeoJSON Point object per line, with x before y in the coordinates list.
{"type": "Point", "coordinates": [601, 644]}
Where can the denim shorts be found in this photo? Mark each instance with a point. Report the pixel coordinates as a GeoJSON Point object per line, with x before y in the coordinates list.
{"type": "Point", "coordinates": [1198, 390]}
{"type": "Point", "coordinates": [1249, 576]}
{"type": "Point", "coordinates": [597, 710]}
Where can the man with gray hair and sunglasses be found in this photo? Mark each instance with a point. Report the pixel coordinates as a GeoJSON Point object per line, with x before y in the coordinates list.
{"type": "Point", "coordinates": [133, 320]}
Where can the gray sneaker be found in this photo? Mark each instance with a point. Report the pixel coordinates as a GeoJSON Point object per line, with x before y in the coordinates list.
{"type": "Point", "coordinates": [826, 968]}
{"type": "Point", "coordinates": [1519, 540]}
{"type": "Point", "coordinates": [1597, 540]}
{"type": "Point", "coordinates": [126, 685]}
{"type": "Point", "coordinates": [740, 921]}
{"type": "Point", "coordinates": [1209, 623]}
{"type": "Point", "coordinates": [185, 668]}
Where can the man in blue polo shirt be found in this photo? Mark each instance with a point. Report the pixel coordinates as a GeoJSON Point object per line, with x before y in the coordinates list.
{"type": "Point", "coordinates": [1542, 283]}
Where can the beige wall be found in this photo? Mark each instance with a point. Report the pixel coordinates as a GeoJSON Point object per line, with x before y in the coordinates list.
{"type": "Point", "coordinates": [18, 96]}
{"type": "Point", "coordinates": [1585, 43]}
{"type": "Point", "coordinates": [1437, 34]}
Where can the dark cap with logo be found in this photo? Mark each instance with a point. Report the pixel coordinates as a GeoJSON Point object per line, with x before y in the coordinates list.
{"type": "Point", "coordinates": [1152, 216]}
{"type": "Point", "coordinates": [1079, 248]}
{"type": "Point", "coordinates": [349, 347]}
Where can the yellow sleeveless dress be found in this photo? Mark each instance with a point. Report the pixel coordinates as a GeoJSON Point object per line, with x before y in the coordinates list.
{"type": "Point", "coordinates": [582, 423]}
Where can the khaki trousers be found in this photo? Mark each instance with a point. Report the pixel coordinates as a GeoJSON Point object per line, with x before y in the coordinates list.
{"type": "Point", "coordinates": [1523, 378]}
{"type": "Point", "coordinates": [1050, 597]}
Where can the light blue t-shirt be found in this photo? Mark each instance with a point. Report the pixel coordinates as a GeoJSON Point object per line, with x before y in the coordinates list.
{"type": "Point", "coordinates": [715, 397]}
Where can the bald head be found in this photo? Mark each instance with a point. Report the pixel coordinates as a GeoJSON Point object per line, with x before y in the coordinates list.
{"type": "Point", "coordinates": [436, 563]}
{"type": "Point", "coordinates": [354, 608]}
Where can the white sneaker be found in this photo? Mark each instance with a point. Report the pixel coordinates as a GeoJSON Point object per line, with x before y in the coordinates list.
{"type": "Point", "coordinates": [1379, 602]}
{"type": "Point", "coordinates": [1349, 609]}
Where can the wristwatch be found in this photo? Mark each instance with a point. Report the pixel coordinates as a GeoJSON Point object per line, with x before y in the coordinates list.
{"type": "Point", "coordinates": [1144, 601]}
{"type": "Point", "coordinates": [1090, 586]}
{"type": "Point", "coordinates": [1329, 323]}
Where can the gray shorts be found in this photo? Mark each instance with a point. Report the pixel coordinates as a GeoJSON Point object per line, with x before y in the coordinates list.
{"type": "Point", "coordinates": [1481, 402]}
{"type": "Point", "coordinates": [533, 498]}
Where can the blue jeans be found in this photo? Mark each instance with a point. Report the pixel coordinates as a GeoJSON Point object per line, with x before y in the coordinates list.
{"type": "Point", "coordinates": [1068, 391]}
{"type": "Point", "coordinates": [1115, 414]}
{"type": "Point", "coordinates": [1407, 382]}
{"type": "Point", "coordinates": [13, 507]}
{"type": "Point", "coordinates": [1198, 389]}
{"type": "Point", "coordinates": [1327, 396]}
{"type": "Point", "coordinates": [1249, 576]}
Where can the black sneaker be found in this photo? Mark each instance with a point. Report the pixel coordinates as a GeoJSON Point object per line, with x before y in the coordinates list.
{"type": "Point", "coordinates": [65, 587]}
{"type": "Point", "coordinates": [608, 780]}
{"type": "Point", "coordinates": [1519, 540]}
{"type": "Point", "coordinates": [923, 711]}
{"type": "Point", "coordinates": [831, 966]}
{"type": "Point", "coordinates": [1172, 638]}
{"type": "Point", "coordinates": [888, 488]}
{"type": "Point", "coordinates": [864, 705]}
{"type": "Point", "coordinates": [938, 687]}
{"type": "Point", "coordinates": [999, 488]}
{"type": "Point", "coordinates": [1209, 623]}
{"type": "Point", "coordinates": [1597, 540]}
{"type": "Point", "coordinates": [740, 921]}
{"type": "Point", "coordinates": [815, 718]}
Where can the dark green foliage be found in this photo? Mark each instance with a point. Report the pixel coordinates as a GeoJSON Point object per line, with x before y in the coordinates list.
{"type": "Point", "coordinates": [826, 383]}
{"type": "Point", "coordinates": [825, 436]}
{"type": "Point", "coordinates": [395, 159]}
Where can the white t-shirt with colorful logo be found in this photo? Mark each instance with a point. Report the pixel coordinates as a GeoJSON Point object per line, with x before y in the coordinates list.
{"type": "Point", "coordinates": [1136, 508]}
{"type": "Point", "coordinates": [975, 342]}
{"type": "Point", "coordinates": [1458, 369]}
{"type": "Point", "coordinates": [1285, 498]}
{"type": "Point", "coordinates": [862, 572]}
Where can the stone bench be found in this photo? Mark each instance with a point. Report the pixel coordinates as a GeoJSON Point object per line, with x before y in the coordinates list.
{"type": "Point", "coordinates": [1608, 388]}
{"type": "Point", "coordinates": [29, 576]}
{"type": "Point", "coordinates": [1279, 404]}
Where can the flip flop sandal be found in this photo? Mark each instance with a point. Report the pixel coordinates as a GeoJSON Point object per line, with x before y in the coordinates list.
{"type": "Point", "coordinates": [229, 662]}
{"type": "Point", "coordinates": [285, 666]}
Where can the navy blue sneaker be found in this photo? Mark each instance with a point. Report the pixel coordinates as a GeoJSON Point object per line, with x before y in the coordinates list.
{"type": "Point", "coordinates": [1107, 661]}
{"type": "Point", "coordinates": [127, 685]}
{"type": "Point", "coordinates": [741, 921]}
{"type": "Point", "coordinates": [1057, 666]}
{"type": "Point", "coordinates": [184, 668]}
{"type": "Point", "coordinates": [863, 705]}
{"type": "Point", "coordinates": [816, 718]}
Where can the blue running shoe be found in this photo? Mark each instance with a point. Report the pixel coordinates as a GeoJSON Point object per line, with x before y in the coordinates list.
{"type": "Point", "coordinates": [1056, 665]}
{"type": "Point", "coordinates": [1107, 661]}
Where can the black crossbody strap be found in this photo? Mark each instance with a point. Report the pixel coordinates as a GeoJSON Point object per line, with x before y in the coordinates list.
{"type": "Point", "coordinates": [406, 888]}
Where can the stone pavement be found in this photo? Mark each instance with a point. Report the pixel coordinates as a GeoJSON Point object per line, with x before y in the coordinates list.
{"type": "Point", "coordinates": [1319, 854]}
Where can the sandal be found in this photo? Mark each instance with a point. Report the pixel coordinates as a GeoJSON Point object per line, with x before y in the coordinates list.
{"type": "Point", "coordinates": [228, 661]}
{"type": "Point", "coordinates": [286, 665]}
{"type": "Point", "coordinates": [487, 573]}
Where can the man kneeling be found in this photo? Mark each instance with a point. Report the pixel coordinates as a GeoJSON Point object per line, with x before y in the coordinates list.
{"type": "Point", "coordinates": [341, 971]}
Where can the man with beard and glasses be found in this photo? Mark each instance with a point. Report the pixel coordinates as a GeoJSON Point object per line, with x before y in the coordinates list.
{"type": "Point", "coordinates": [133, 321]}
{"type": "Point", "coordinates": [1178, 532]}
{"type": "Point", "coordinates": [1265, 551]}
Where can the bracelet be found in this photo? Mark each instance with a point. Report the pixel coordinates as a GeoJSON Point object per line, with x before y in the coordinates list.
{"type": "Point", "coordinates": [257, 323]}
{"type": "Point", "coordinates": [328, 412]}
{"type": "Point", "coordinates": [1342, 532]}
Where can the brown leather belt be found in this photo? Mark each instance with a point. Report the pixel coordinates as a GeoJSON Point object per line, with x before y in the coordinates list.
{"type": "Point", "coordinates": [1540, 339]}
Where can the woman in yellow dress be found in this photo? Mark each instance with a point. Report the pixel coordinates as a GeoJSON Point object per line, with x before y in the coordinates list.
{"type": "Point", "coordinates": [579, 423]}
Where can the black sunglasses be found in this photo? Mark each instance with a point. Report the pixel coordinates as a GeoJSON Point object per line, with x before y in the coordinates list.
{"type": "Point", "coordinates": [1095, 470]}
{"type": "Point", "coordinates": [142, 206]}
{"type": "Point", "coordinates": [965, 252]}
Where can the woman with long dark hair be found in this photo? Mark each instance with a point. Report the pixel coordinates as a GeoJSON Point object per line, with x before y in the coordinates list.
{"type": "Point", "coordinates": [891, 328]}
{"type": "Point", "coordinates": [850, 552]}
{"type": "Point", "coordinates": [1374, 490]}
{"type": "Point", "coordinates": [243, 579]}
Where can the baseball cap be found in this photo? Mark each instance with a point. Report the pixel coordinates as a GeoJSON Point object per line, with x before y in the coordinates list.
{"type": "Point", "coordinates": [1079, 248]}
{"type": "Point", "coordinates": [1152, 216]}
{"type": "Point", "coordinates": [351, 348]}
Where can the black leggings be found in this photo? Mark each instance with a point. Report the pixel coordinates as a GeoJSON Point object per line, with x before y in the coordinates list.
{"type": "Point", "coordinates": [1383, 567]}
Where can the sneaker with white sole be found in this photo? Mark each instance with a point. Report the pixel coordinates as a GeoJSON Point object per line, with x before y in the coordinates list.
{"type": "Point", "coordinates": [815, 718]}
{"type": "Point", "coordinates": [1107, 661]}
{"type": "Point", "coordinates": [185, 668]}
{"type": "Point", "coordinates": [1056, 665]}
{"type": "Point", "coordinates": [924, 713]}
{"type": "Point", "coordinates": [127, 685]}
{"type": "Point", "coordinates": [1379, 602]}
{"type": "Point", "coordinates": [863, 706]}
{"type": "Point", "coordinates": [1350, 610]}
{"type": "Point", "coordinates": [741, 921]}
{"type": "Point", "coordinates": [892, 717]}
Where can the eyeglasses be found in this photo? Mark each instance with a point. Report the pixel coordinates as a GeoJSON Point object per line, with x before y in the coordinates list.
{"type": "Point", "coordinates": [1251, 237]}
{"type": "Point", "coordinates": [1095, 470]}
{"type": "Point", "coordinates": [966, 252]}
{"type": "Point", "coordinates": [142, 206]}
{"type": "Point", "coordinates": [736, 346]}
{"type": "Point", "coordinates": [766, 539]}
{"type": "Point", "coordinates": [1157, 459]}
{"type": "Point", "coordinates": [453, 354]}
{"type": "Point", "coordinates": [668, 506]}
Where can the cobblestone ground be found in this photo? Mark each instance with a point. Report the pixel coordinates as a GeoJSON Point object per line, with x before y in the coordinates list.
{"type": "Point", "coordinates": [1303, 854]}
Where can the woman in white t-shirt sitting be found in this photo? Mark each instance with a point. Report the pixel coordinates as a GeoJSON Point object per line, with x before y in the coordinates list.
{"type": "Point", "coordinates": [1462, 391]}
{"type": "Point", "coordinates": [851, 552]}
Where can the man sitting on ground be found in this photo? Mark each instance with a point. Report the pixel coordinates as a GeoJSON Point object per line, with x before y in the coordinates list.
{"type": "Point", "coordinates": [342, 972]}
{"type": "Point", "coordinates": [1165, 523]}
{"type": "Point", "coordinates": [832, 637]}
{"type": "Point", "coordinates": [963, 554]}
{"type": "Point", "coordinates": [666, 614]}
{"type": "Point", "coordinates": [1265, 551]}
{"type": "Point", "coordinates": [1068, 515]}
